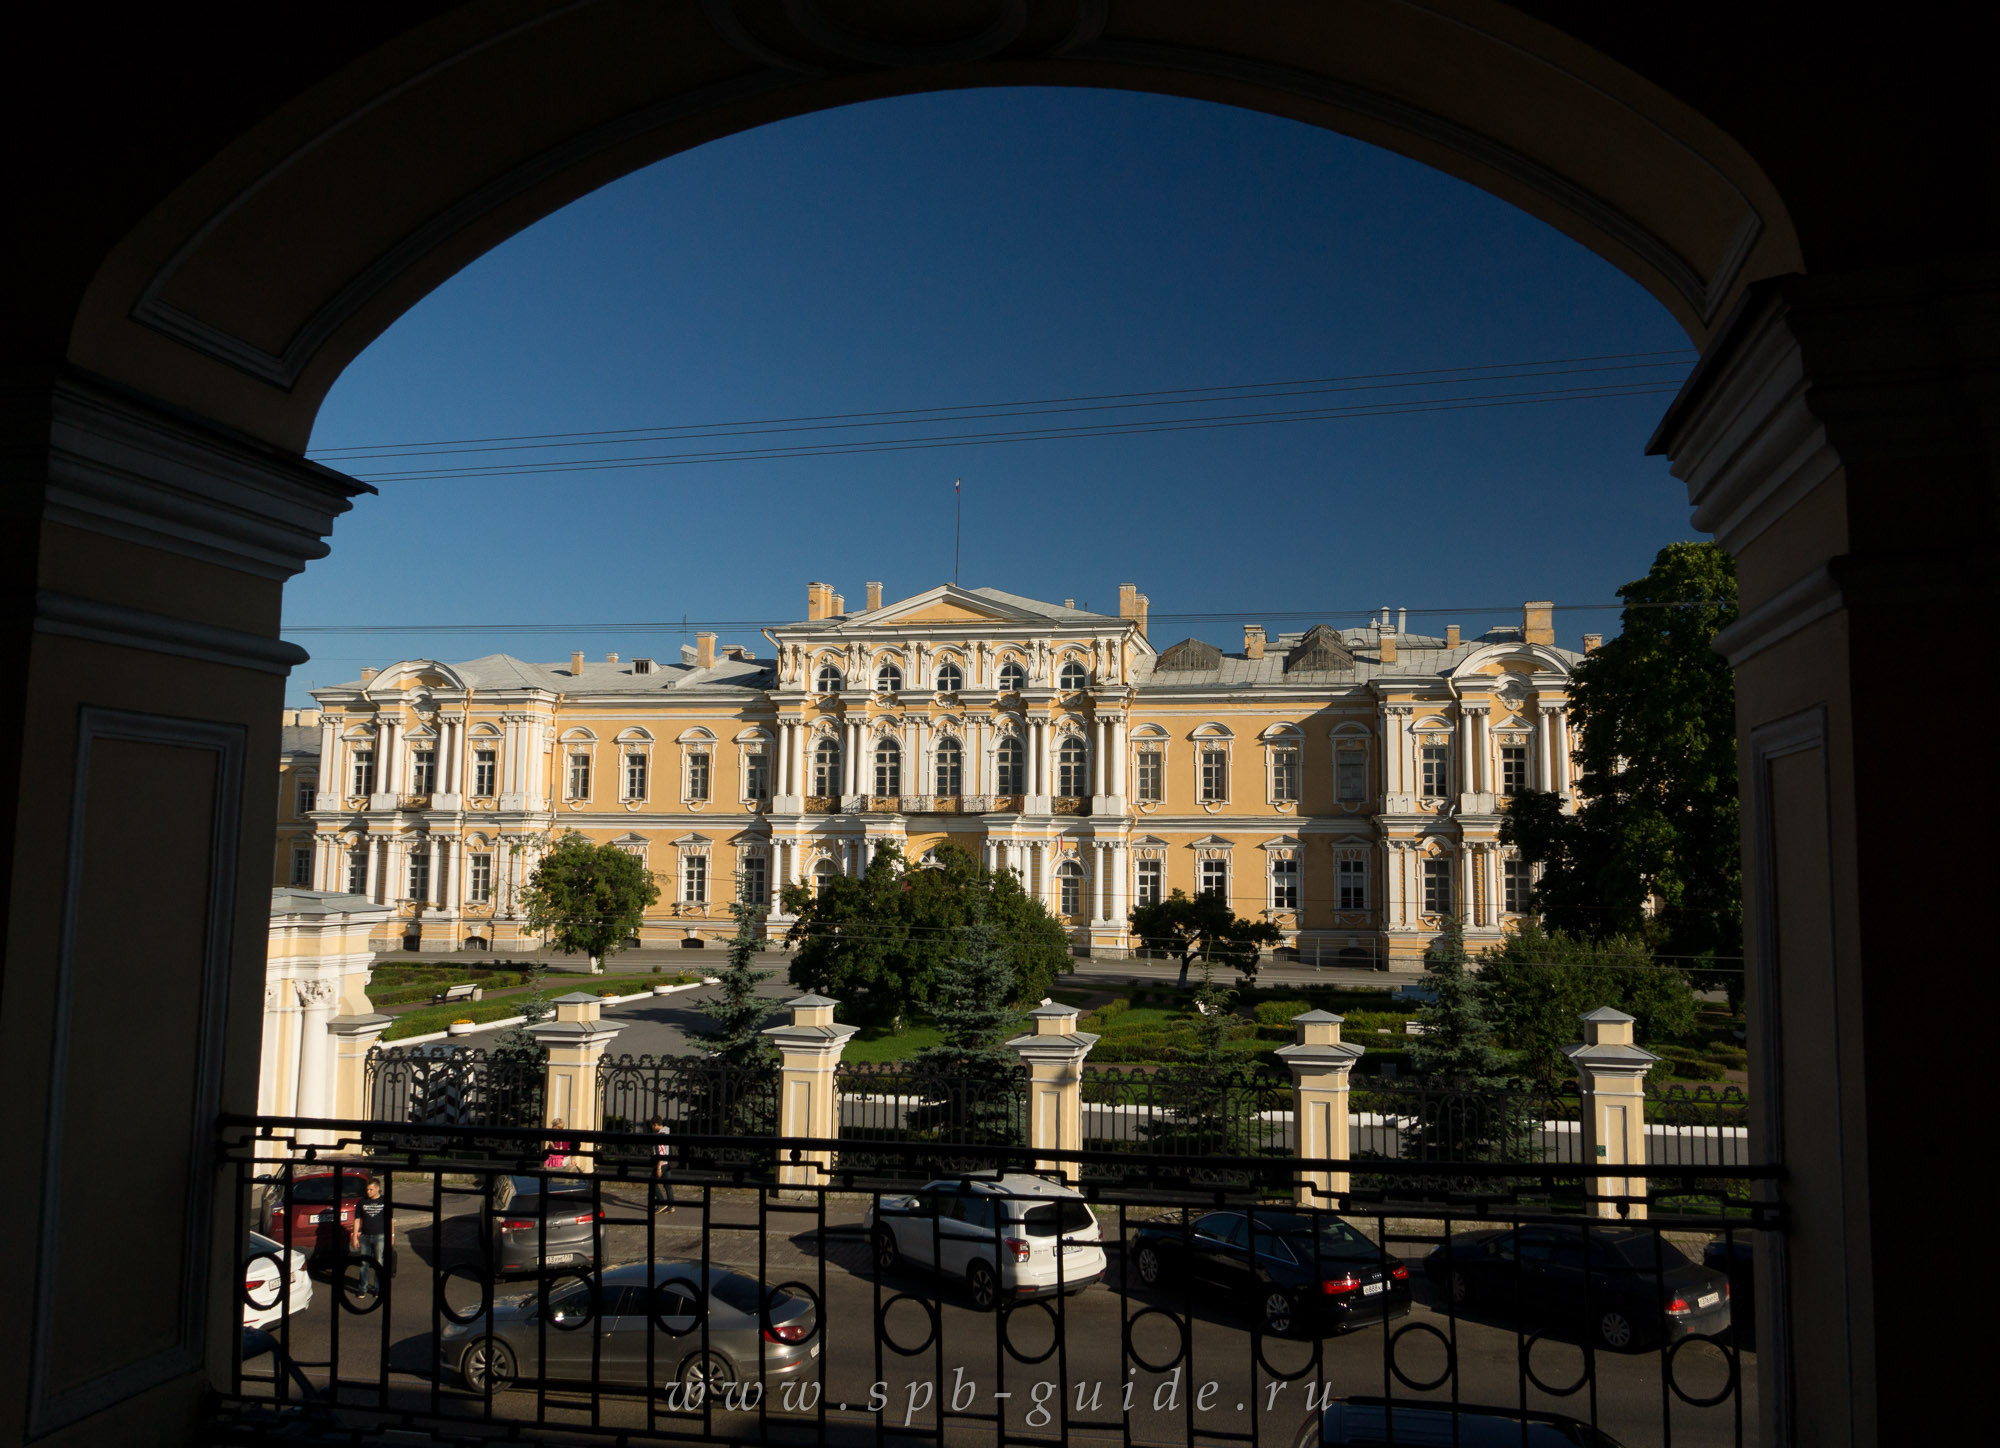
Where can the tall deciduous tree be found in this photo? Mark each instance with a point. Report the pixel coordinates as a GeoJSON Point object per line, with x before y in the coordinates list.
{"type": "Point", "coordinates": [1653, 849]}
{"type": "Point", "coordinates": [1537, 983]}
{"type": "Point", "coordinates": [1204, 926]}
{"type": "Point", "coordinates": [588, 898]}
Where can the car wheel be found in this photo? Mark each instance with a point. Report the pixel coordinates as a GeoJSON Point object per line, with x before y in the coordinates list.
{"type": "Point", "coordinates": [985, 1286]}
{"type": "Point", "coordinates": [487, 1361]}
{"type": "Point", "coordinates": [1615, 1330]}
{"type": "Point", "coordinates": [710, 1371]}
{"type": "Point", "coordinates": [1461, 1290]}
{"type": "Point", "coordinates": [888, 1256]}
{"type": "Point", "coordinates": [1148, 1264]}
{"type": "Point", "coordinates": [1276, 1308]}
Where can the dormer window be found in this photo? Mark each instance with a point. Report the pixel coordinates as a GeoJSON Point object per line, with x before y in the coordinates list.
{"type": "Point", "coordinates": [1073, 676]}
{"type": "Point", "coordinates": [950, 679]}
{"type": "Point", "coordinates": [829, 680]}
{"type": "Point", "coordinates": [1013, 677]}
{"type": "Point", "coordinates": [888, 679]}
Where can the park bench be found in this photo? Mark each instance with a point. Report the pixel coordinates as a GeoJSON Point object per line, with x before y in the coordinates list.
{"type": "Point", "coordinates": [466, 992]}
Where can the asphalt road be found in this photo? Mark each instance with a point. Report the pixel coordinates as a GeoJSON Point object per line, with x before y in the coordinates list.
{"type": "Point", "coordinates": [1060, 1350]}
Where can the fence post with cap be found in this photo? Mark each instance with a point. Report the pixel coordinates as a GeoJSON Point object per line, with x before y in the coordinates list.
{"type": "Point", "coordinates": [353, 1038]}
{"type": "Point", "coordinates": [809, 1050]}
{"type": "Point", "coordinates": [1320, 1063]}
{"type": "Point", "coordinates": [1611, 1077]}
{"type": "Point", "coordinates": [575, 1041]}
{"type": "Point", "coordinates": [1053, 1054]}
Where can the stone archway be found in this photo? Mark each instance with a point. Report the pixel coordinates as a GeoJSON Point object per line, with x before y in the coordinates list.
{"type": "Point", "coordinates": [176, 334]}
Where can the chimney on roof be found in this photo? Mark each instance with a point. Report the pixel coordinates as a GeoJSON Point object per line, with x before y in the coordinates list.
{"type": "Point", "coordinates": [1385, 643]}
{"type": "Point", "coordinates": [819, 600]}
{"type": "Point", "coordinates": [874, 596]}
{"type": "Point", "coordinates": [1538, 622]}
{"type": "Point", "coordinates": [1402, 622]}
{"type": "Point", "coordinates": [1132, 605]}
{"type": "Point", "coordinates": [704, 651]}
{"type": "Point", "coordinates": [576, 664]}
{"type": "Point", "coordinates": [1451, 635]}
{"type": "Point", "coordinates": [1592, 643]}
{"type": "Point", "coordinates": [1069, 603]}
{"type": "Point", "coordinates": [1253, 641]}
{"type": "Point", "coordinates": [367, 674]}
{"type": "Point", "coordinates": [838, 607]}
{"type": "Point", "coordinates": [611, 658]}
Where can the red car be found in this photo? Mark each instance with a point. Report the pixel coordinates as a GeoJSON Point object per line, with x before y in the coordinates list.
{"type": "Point", "coordinates": [299, 1208]}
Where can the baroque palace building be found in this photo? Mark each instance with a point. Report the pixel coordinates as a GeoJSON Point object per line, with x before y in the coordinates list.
{"type": "Point", "coordinates": [1344, 784]}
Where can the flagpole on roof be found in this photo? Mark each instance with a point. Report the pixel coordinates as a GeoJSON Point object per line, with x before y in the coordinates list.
{"type": "Point", "coordinates": [958, 527]}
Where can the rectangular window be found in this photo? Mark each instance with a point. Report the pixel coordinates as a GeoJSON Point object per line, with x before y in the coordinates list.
{"type": "Point", "coordinates": [302, 866]}
{"type": "Point", "coordinates": [1350, 766]}
{"type": "Point", "coordinates": [479, 878]}
{"type": "Point", "coordinates": [756, 889]}
{"type": "Point", "coordinates": [485, 765]}
{"type": "Point", "coordinates": [423, 771]}
{"type": "Point", "coordinates": [694, 879]}
{"type": "Point", "coordinates": [420, 875]}
{"type": "Point", "coordinates": [1284, 884]}
{"type": "Point", "coordinates": [697, 776]}
{"type": "Point", "coordinates": [1215, 878]}
{"type": "Point", "coordinates": [362, 777]}
{"type": "Point", "coordinates": [1437, 887]}
{"type": "Point", "coordinates": [1513, 768]}
{"type": "Point", "coordinates": [756, 776]}
{"type": "Point", "coordinates": [357, 873]}
{"type": "Point", "coordinates": [307, 787]}
{"type": "Point", "coordinates": [1149, 892]}
{"type": "Point", "coordinates": [1214, 776]}
{"type": "Point", "coordinates": [579, 777]}
{"type": "Point", "coordinates": [1514, 879]}
{"type": "Point", "coordinates": [635, 776]}
{"type": "Point", "coordinates": [1285, 775]}
{"type": "Point", "coordinates": [1354, 884]}
{"type": "Point", "coordinates": [1069, 891]}
{"type": "Point", "coordinates": [1436, 770]}
{"type": "Point", "coordinates": [1149, 776]}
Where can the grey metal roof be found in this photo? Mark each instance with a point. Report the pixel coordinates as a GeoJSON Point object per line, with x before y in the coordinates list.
{"type": "Point", "coordinates": [504, 672]}
{"type": "Point", "coordinates": [1417, 655]}
{"type": "Point", "coordinates": [286, 900]}
{"type": "Point", "coordinates": [298, 739]}
{"type": "Point", "coordinates": [1045, 609]}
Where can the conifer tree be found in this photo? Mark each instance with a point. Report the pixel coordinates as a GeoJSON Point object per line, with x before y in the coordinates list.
{"type": "Point", "coordinates": [738, 1012]}
{"type": "Point", "coordinates": [1458, 1046]}
{"type": "Point", "coordinates": [970, 1074]}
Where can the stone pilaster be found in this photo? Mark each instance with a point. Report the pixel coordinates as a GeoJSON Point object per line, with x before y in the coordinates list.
{"type": "Point", "coordinates": [353, 1038]}
{"type": "Point", "coordinates": [575, 1041]}
{"type": "Point", "coordinates": [1611, 1073]}
{"type": "Point", "coordinates": [809, 1052]}
{"type": "Point", "coordinates": [1054, 1056]}
{"type": "Point", "coordinates": [1320, 1063]}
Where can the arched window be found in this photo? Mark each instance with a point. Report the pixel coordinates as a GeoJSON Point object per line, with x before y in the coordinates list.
{"type": "Point", "coordinates": [950, 678]}
{"type": "Point", "coordinates": [1073, 676]}
{"type": "Point", "coordinates": [1069, 888]}
{"type": "Point", "coordinates": [829, 680]}
{"type": "Point", "coordinates": [826, 768]}
{"type": "Point", "coordinates": [1072, 768]}
{"type": "Point", "coordinates": [888, 768]}
{"type": "Point", "coordinates": [822, 877]}
{"type": "Point", "coordinates": [950, 767]}
{"type": "Point", "coordinates": [1012, 770]}
{"type": "Point", "coordinates": [1013, 676]}
{"type": "Point", "coordinates": [888, 678]}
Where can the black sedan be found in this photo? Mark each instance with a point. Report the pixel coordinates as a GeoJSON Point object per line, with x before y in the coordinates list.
{"type": "Point", "coordinates": [1373, 1421]}
{"type": "Point", "coordinates": [1625, 1287]}
{"type": "Point", "coordinates": [1291, 1270]}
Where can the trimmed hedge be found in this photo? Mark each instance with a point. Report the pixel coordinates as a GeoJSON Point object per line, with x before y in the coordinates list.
{"type": "Point", "coordinates": [1280, 1013]}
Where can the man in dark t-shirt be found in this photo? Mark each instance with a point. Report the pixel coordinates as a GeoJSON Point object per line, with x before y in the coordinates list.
{"type": "Point", "coordinates": [371, 1235]}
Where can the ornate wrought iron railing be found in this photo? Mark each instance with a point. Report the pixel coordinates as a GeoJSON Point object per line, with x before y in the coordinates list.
{"type": "Point", "coordinates": [1186, 1110]}
{"type": "Point", "coordinates": [439, 1085]}
{"type": "Point", "coordinates": [901, 1101]}
{"type": "Point", "coordinates": [692, 1095]}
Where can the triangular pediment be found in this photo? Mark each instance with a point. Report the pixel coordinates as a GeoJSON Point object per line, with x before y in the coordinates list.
{"type": "Point", "coordinates": [947, 603]}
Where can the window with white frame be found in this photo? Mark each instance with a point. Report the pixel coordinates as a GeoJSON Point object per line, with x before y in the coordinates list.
{"type": "Point", "coordinates": [304, 798]}
{"type": "Point", "coordinates": [694, 878]}
{"type": "Point", "coordinates": [1011, 767]}
{"type": "Point", "coordinates": [826, 768]}
{"type": "Point", "coordinates": [1214, 774]}
{"type": "Point", "coordinates": [1353, 884]}
{"type": "Point", "coordinates": [423, 771]}
{"type": "Point", "coordinates": [302, 866]}
{"type": "Point", "coordinates": [756, 772]}
{"type": "Point", "coordinates": [361, 772]}
{"type": "Point", "coordinates": [1072, 768]}
{"type": "Point", "coordinates": [1435, 761]}
{"type": "Point", "coordinates": [950, 678]}
{"type": "Point", "coordinates": [579, 775]}
{"type": "Point", "coordinates": [1285, 774]}
{"type": "Point", "coordinates": [1513, 768]}
{"type": "Point", "coordinates": [888, 679]}
{"type": "Point", "coordinates": [1515, 883]}
{"type": "Point", "coordinates": [357, 872]}
{"type": "Point", "coordinates": [950, 768]}
{"type": "Point", "coordinates": [1437, 886]}
{"type": "Point", "coordinates": [485, 770]}
{"type": "Point", "coordinates": [888, 768]}
{"type": "Point", "coordinates": [829, 679]}
{"type": "Point", "coordinates": [1214, 877]}
{"type": "Point", "coordinates": [1284, 884]}
{"type": "Point", "coordinates": [1146, 883]}
{"type": "Point", "coordinates": [823, 877]}
{"type": "Point", "coordinates": [1069, 888]}
{"type": "Point", "coordinates": [1150, 775]}
{"type": "Point", "coordinates": [697, 775]}
{"type": "Point", "coordinates": [479, 878]}
{"type": "Point", "coordinates": [1013, 677]}
{"type": "Point", "coordinates": [1350, 772]}
{"type": "Point", "coordinates": [420, 874]}
{"type": "Point", "coordinates": [754, 880]}
{"type": "Point", "coordinates": [1073, 677]}
{"type": "Point", "coordinates": [635, 774]}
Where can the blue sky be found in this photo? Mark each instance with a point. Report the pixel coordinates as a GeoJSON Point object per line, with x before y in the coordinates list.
{"type": "Point", "coordinates": [983, 247]}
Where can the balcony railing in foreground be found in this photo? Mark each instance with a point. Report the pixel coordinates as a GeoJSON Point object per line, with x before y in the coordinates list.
{"type": "Point", "coordinates": [1194, 1302]}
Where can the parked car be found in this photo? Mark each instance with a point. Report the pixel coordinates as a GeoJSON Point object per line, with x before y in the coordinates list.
{"type": "Point", "coordinates": [269, 1294]}
{"type": "Point", "coordinates": [1291, 1270]}
{"type": "Point", "coordinates": [1629, 1288]}
{"type": "Point", "coordinates": [1017, 1237]}
{"type": "Point", "coordinates": [512, 1234]}
{"type": "Point", "coordinates": [312, 1208]}
{"type": "Point", "coordinates": [602, 1329]}
{"type": "Point", "coordinates": [1733, 1259]}
{"type": "Point", "coordinates": [1367, 1421]}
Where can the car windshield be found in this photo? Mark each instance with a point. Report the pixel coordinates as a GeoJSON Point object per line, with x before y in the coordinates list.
{"type": "Point", "coordinates": [1046, 1219]}
{"type": "Point", "coordinates": [742, 1293]}
{"type": "Point", "coordinates": [1639, 1252]}
{"type": "Point", "coordinates": [312, 1189]}
{"type": "Point", "coordinates": [1337, 1239]}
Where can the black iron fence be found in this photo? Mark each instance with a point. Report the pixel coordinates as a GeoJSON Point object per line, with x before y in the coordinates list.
{"type": "Point", "coordinates": [1186, 1110]}
{"type": "Point", "coordinates": [1162, 1310]}
{"type": "Point", "coordinates": [694, 1097]}
{"type": "Point", "coordinates": [903, 1101]}
{"type": "Point", "coordinates": [442, 1085]}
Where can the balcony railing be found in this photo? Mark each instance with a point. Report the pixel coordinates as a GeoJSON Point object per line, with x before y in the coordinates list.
{"type": "Point", "coordinates": [822, 804]}
{"type": "Point", "coordinates": [1070, 804]}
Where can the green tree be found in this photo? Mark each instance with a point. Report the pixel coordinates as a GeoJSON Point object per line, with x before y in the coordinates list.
{"type": "Point", "coordinates": [1204, 926]}
{"type": "Point", "coordinates": [1457, 1044]}
{"type": "Point", "coordinates": [879, 943]}
{"type": "Point", "coordinates": [1653, 848]}
{"type": "Point", "coordinates": [1208, 1089]}
{"type": "Point", "coordinates": [738, 1011]}
{"type": "Point", "coordinates": [588, 898]}
{"type": "Point", "coordinates": [975, 1078]}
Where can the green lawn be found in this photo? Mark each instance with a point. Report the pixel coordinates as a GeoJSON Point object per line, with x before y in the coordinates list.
{"type": "Point", "coordinates": [873, 1044]}
{"type": "Point", "coordinates": [426, 1019]}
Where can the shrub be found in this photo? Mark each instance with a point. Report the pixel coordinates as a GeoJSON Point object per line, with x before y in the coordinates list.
{"type": "Point", "coordinates": [1281, 1034]}
{"type": "Point", "coordinates": [1685, 1068]}
{"type": "Point", "coordinates": [1280, 1013]}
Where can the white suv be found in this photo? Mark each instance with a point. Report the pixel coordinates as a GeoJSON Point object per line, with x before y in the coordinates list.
{"type": "Point", "coordinates": [1016, 1237]}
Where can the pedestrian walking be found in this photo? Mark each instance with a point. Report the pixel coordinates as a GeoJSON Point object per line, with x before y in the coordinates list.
{"type": "Point", "coordinates": [559, 1148]}
{"type": "Point", "coordinates": [373, 1233]}
{"type": "Point", "coordinates": [662, 1193]}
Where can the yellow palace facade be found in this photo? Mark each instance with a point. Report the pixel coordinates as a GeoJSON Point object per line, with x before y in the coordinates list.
{"type": "Point", "coordinates": [1344, 784]}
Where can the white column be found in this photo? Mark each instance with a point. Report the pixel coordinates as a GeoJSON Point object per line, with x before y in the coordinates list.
{"type": "Point", "coordinates": [510, 742]}
{"type": "Point", "coordinates": [329, 757]}
{"type": "Point", "coordinates": [1468, 902]}
{"type": "Point", "coordinates": [1544, 778]}
{"type": "Point", "coordinates": [1467, 774]}
{"type": "Point", "coordinates": [374, 848]}
{"type": "Point", "coordinates": [1118, 761]}
{"type": "Point", "coordinates": [1392, 753]}
{"type": "Point", "coordinates": [440, 864]}
{"type": "Point", "coordinates": [1559, 725]}
{"type": "Point", "coordinates": [1482, 749]}
{"type": "Point", "coordinates": [316, 999]}
{"type": "Point", "coordinates": [796, 752]}
{"type": "Point", "coordinates": [1121, 873]}
{"type": "Point", "coordinates": [1097, 771]}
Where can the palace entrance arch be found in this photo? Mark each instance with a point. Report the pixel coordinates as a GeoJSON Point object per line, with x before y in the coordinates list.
{"type": "Point", "coordinates": [209, 246]}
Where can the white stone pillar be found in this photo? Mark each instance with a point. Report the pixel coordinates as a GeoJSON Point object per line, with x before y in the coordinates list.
{"type": "Point", "coordinates": [329, 757]}
{"type": "Point", "coordinates": [315, 1091]}
{"type": "Point", "coordinates": [1054, 1056]}
{"type": "Point", "coordinates": [440, 864]}
{"type": "Point", "coordinates": [1544, 775]}
{"type": "Point", "coordinates": [1482, 751]}
{"type": "Point", "coordinates": [374, 848]}
{"type": "Point", "coordinates": [1118, 759]}
{"type": "Point", "coordinates": [1468, 898]}
{"type": "Point", "coordinates": [1097, 771]}
{"type": "Point", "coordinates": [1466, 773]}
{"type": "Point", "coordinates": [1392, 753]}
{"type": "Point", "coordinates": [1121, 882]}
{"type": "Point", "coordinates": [1559, 724]}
